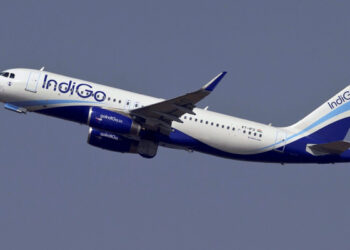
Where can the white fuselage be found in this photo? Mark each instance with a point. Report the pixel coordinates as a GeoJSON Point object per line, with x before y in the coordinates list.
{"type": "Point", "coordinates": [323, 136]}
{"type": "Point", "coordinates": [37, 90]}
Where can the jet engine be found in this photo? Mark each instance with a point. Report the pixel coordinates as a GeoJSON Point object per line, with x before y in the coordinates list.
{"type": "Point", "coordinates": [112, 142]}
{"type": "Point", "coordinates": [118, 143]}
{"type": "Point", "coordinates": [107, 120]}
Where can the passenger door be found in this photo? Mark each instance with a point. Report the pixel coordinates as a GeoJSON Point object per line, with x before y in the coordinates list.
{"type": "Point", "coordinates": [33, 81]}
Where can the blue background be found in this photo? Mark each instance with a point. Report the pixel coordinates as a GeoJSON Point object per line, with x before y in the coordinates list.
{"type": "Point", "coordinates": [284, 59]}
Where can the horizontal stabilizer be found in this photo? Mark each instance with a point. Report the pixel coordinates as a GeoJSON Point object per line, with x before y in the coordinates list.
{"type": "Point", "coordinates": [336, 147]}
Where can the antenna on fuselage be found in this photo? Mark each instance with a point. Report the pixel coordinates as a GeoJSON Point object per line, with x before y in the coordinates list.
{"type": "Point", "coordinates": [42, 68]}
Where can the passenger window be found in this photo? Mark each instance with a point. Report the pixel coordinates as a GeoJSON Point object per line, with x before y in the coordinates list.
{"type": "Point", "coordinates": [233, 128]}
{"type": "Point", "coordinates": [6, 74]}
{"type": "Point", "coordinates": [206, 122]}
{"type": "Point", "coordinates": [260, 135]}
{"type": "Point", "coordinates": [109, 98]}
{"type": "Point", "coordinates": [190, 118]}
{"type": "Point", "coordinates": [212, 123]}
{"type": "Point", "coordinates": [217, 124]}
{"type": "Point", "coordinates": [201, 121]}
{"type": "Point", "coordinates": [185, 117]}
{"type": "Point", "coordinates": [195, 119]}
{"type": "Point", "coordinates": [228, 127]}
{"type": "Point", "coordinates": [12, 75]}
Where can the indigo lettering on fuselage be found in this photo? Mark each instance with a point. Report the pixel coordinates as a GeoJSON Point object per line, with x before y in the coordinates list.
{"type": "Point", "coordinates": [83, 90]}
{"type": "Point", "coordinates": [340, 100]}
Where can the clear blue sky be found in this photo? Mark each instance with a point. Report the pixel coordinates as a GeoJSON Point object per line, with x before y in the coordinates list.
{"type": "Point", "coordinates": [284, 58]}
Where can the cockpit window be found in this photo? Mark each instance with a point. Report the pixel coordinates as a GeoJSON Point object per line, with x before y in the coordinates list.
{"type": "Point", "coordinates": [7, 74]}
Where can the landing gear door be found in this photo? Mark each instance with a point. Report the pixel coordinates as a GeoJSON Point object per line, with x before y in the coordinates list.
{"type": "Point", "coordinates": [280, 142]}
{"type": "Point", "coordinates": [33, 81]}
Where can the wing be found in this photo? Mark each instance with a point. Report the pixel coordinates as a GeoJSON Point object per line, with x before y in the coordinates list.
{"type": "Point", "coordinates": [159, 116]}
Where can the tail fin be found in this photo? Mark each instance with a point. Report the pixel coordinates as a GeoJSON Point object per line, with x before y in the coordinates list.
{"type": "Point", "coordinates": [333, 115]}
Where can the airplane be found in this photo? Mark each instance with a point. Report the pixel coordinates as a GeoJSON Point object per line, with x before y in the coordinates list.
{"type": "Point", "coordinates": [127, 122]}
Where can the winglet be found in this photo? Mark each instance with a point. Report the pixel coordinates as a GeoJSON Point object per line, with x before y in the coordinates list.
{"type": "Point", "coordinates": [210, 86]}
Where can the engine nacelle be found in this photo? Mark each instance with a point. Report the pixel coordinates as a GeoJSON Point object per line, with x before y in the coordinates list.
{"type": "Point", "coordinates": [107, 120]}
{"type": "Point", "coordinates": [117, 143]}
{"type": "Point", "coordinates": [112, 142]}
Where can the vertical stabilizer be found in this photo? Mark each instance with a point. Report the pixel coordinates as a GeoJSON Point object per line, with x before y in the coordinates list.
{"type": "Point", "coordinates": [335, 109]}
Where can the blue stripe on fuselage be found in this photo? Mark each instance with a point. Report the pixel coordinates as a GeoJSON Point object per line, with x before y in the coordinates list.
{"type": "Point", "coordinates": [343, 108]}
{"type": "Point", "coordinates": [293, 153]}
{"type": "Point", "coordinates": [26, 104]}
{"type": "Point", "coordinates": [78, 114]}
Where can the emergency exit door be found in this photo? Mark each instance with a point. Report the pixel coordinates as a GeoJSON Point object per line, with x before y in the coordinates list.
{"type": "Point", "coordinates": [280, 141]}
